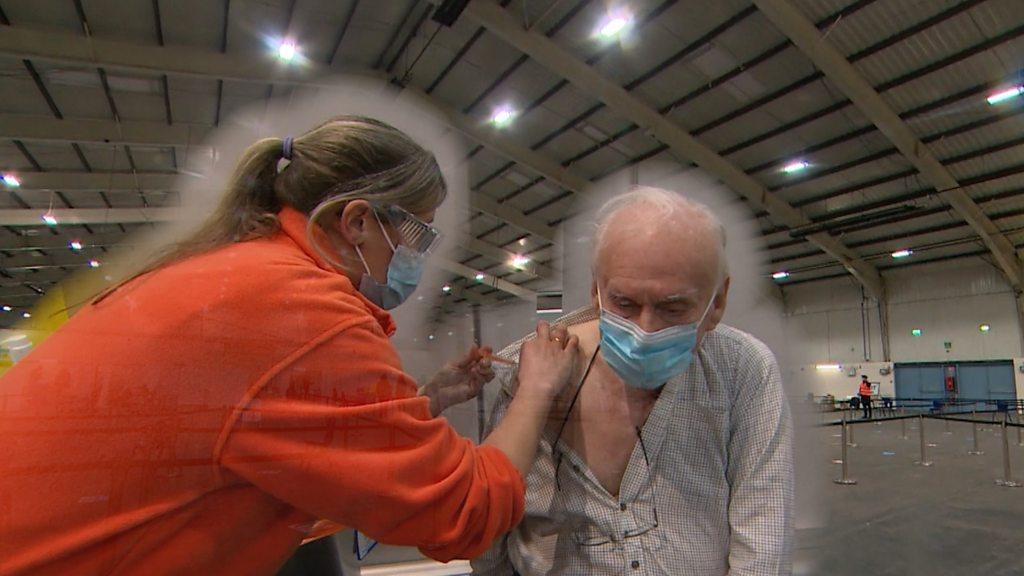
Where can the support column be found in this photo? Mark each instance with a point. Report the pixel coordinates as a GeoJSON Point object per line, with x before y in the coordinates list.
{"type": "Point", "coordinates": [883, 327]}
{"type": "Point", "coordinates": [481, 406]}
{"type": "Point", "coordinates": [1019, 300]}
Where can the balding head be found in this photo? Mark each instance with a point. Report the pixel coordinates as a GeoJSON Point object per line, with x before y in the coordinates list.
{"type": "Point", "coordinates": [659, 258]}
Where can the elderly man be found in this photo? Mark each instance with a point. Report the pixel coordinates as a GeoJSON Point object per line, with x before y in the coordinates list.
{"type": "Point", "coordinates": [670, 453]}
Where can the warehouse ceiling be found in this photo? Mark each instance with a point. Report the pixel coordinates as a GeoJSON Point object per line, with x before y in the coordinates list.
{"type": "Point", "coordinates": [887, 137]}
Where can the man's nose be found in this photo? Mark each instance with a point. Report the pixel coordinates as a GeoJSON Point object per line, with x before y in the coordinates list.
{"type": "Point", "coordinates": [649, 320]}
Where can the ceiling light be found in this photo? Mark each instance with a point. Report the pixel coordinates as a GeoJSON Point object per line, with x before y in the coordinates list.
{"type": "Point", "coordinates": [446, 288]}
{"type": "Point", "coordinates": [430, 337]}
{"type": "Point", "coordinates": [479, 277]}
{"type": "Point", "coordinates": [520, 261]}
{"type": "Point", "coordinates": [780, 275]}
{"type": "Point", "coordinates": [522, 241]}
{"type": "Point", "coordinates": [793, 167]}
{"type": "Point", "coordinates": [916, 332]}
{"type": "Point", "coordinates": [829, 367]}
{"type": "Point", "coordinates": [902, 253]}
{"type": "Point", "coordinates": [984, 328]}
{"type": "Point", "coordinates": [549, 311]}
{"type": "Point", "coordinates": [1005, 95]}
{"type": "Point", "coordinates": [50, 219]}
{"type": "Point", "coordinates": [613, 26]}
{"type": "Point", "coordinates": [26, 315]}
{"type": "Point", "coordinates": [12, 180]}
{"type": "Point", "coordinates": [287, 51]}
{"type": "Point", "coordinates": [7, 308]}
{"type": "Point", "coordinates": [503, 116]}
{"type": "Point", "coordinates": [75, 245]}
{"type": "Point", "coordinates": [94, 263]}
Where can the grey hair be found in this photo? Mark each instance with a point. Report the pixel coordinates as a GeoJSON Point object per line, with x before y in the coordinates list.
{"type": "Point", "coordinates": [665, 205]}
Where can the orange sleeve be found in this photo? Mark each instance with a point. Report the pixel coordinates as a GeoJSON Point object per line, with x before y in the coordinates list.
{"type": "Point", "coordinates": [340, 434]}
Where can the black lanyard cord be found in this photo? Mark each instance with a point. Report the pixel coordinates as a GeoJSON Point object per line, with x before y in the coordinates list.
{"type": "Point", "coordinates": [565, 419]}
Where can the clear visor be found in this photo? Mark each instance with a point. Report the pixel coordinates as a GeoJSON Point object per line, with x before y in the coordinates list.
{"type": "Point", "coordinates": [413, 232]}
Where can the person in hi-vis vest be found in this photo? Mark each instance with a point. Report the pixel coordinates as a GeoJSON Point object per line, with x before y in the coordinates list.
{"type": "Point", "coordinates": [865, 396]}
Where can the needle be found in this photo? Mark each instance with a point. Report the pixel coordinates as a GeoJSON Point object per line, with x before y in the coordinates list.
{"type": "Point", "coordinates": [501, 360]}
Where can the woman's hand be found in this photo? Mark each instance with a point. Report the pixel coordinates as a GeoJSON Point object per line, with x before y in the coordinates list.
{"type": "Point", "coordinates": [546, 362]}
{"type": "Point", "coordinates": [459, 381]}
{"type": "Point", "coordinates": [545, 366]}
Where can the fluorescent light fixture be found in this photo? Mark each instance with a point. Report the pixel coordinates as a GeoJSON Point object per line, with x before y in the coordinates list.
{"type": "Point", "coordinates": [75, 245]}
{"type": "Point", "coordinates": [613, 25]}
{"type": "Point", "coordinates": [549, 311]}
{"type": "Point", "coordinates": [287, 51]}
{"type": "Point", "coordinates": [446, 288]}
{"type": "Point", "coordinates": [984, 328]}
{"type": "Point", "coordinates": [26, 315]}
{"type": "Point", "coordinates": [1005, 95]}
{"type": "Point", "coordinates": [94, 263]}
{"type": "Point", "coordinates": [7, 308]}
{"type": "Point", "coordinates": [902, 253]}
{"type": "Point", "coordinates": [503, 116]}
{"type": "Point", "coordinates": [797, 166]}
{"type": "Point", "coordinates": [829, 367]}
{"type": "Point", "coordinates": [50, 219]}
{"type": "Point", "coordinates": [12, 180]}
{"type": "Point", "coordinates": [520, 261]}
{"type": "Point", "coordinates": [916, 332]}
{"type": "Point", "coordinates": [780, 275]}
{"type": "Point", "coordinates": [479, 277]}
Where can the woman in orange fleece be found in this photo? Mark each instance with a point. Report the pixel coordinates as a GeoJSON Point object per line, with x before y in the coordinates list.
{"type": "Point", "coordinates": [201, 417]}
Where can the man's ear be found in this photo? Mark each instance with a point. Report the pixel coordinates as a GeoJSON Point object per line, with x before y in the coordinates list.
{"type": "Point", "coordinates": [353, 224]}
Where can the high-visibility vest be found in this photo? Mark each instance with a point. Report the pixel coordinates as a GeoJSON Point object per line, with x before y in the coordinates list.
{"type": "Point", "coordinates": [865, 388]}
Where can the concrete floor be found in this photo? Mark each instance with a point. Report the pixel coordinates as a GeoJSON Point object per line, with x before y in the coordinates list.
{"type": "Point", "coordinates": [902, 519]}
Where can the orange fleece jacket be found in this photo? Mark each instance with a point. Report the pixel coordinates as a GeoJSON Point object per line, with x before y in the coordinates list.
{"type": "Point", "coordinates": [203, 418]}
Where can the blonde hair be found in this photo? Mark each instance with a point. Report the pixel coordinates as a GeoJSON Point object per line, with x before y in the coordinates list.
{"type": "Point", "coordinates": [345, 158]}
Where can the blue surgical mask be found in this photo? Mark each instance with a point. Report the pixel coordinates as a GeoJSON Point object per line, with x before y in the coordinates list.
{"type": "Point", "coordinates": [647, 360]}
{"type": "Point", "coordinates": [404, 274]}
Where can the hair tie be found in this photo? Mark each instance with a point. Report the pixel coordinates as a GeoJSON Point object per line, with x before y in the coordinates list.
{"type": "Point", "coordinates": [286, 155]}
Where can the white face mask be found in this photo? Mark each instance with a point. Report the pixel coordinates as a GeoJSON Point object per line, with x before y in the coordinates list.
{"type": "Point", "coordinates": [403, 275]}
{"type": "Point", "coordinates": [647, 360]}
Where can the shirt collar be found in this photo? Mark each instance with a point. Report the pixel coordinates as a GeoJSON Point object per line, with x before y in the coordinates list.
{"type": "Point", "coordinates": [294, 225]}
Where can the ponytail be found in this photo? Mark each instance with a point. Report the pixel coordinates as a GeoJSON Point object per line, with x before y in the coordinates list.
{"type": "Point", "coordinates": [344, 158]}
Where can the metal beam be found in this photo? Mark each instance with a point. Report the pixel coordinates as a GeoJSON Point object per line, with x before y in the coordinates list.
{"type": "Point", "coordinates": [101, 181]}
{"type": "Point", "coordinates": [26, 43]}
{"type": "Point", "coordinates": [135, 133]}
{"type": "Point", "coordinates": [182, 61]}
{"type": "Point", "coordinates": [35, 261]}
{"type": "Point", "coordinates": [503, 256]}
{"type": "Point", "coordinates": [49, 242]}
{"type": "Point", "coordinates": [553, 57]}
{"type": "Point", "coordinates": [33, 217]}
{"type": "Point", "coordinates": [23, 127]}
{"type": "Point", "coordinates": [503, 285]}
{"type": "Point", "coordinates": [482, 133]}
{"type": "Point", "coordinates": [29, 217]}
{"type": "Point", "coordinates": [834, 65]}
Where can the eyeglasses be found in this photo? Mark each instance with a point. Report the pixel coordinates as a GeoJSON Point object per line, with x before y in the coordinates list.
{"type": "Point", "coordinates": [415, 233]}
{"type": "Point", "coordinates": [589, 536]}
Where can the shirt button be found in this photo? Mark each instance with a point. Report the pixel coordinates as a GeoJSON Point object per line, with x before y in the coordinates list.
{"type": "Point", "coordinates": [622, 506]}
{"type": "Point", "coordinates": [635, 564]}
